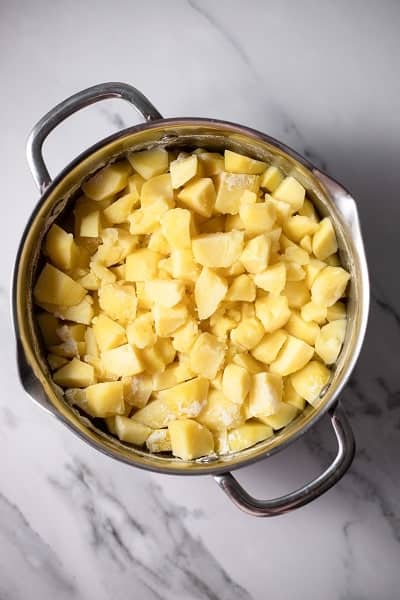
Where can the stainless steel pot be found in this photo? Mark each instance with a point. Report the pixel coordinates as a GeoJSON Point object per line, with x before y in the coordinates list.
{"type": "Point", "coordinates": [329, 197]}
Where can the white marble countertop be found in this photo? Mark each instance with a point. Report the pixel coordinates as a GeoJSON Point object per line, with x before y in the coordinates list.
{"type": "Point", "coordinates": [320, 76]}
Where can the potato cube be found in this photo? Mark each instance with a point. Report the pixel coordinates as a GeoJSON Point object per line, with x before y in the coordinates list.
{"type": "Point", "coordinates": [77, 397]}
{"type": "Point", "coordinates": [137, 389]}
{"type": "Point", "coordinates": [61, 248]}
{"type": "Point", "coordinates": [48, 325]}
{"type": "Point", "coordinates": [293, 355]}
{"type": "Point", "coordinates": [236, 383]}
{"type": "Point", "coordinates": [297, 255]}
{"type": "Point", "coordinates": [290, 396]}
{"type": "Point", "coordinates": [146, 220]}
{"type": "Point", "coordinates": [273, 312]}
{"type": "Point", "coordinates": [290, 191]}
{"type": "Point", "coordinates": [267, 350]}
{"type": "Point", "coordinates": [183, 265]}
{"type": "Point", "coordinates": [158, 243]}
{"type": "Point", "coordinates": [101, 273]}
{"type": "Point", "coordinates": [90, 342]}
{"type": "Point", "coordinates": [210, 289]}
{"type": "Point", "coordinates": [183, 170]}
{"type": "Point", "coordinates": [248, 435]}
{"type": "Point", "coordinates": [265, 395]}
{"type": "Point", "coordinates": [119, 301]}
{"type": "Point", "coordinates": [159, 190]}
{"type": "Point", "coordinates": [221, 445]}
{"type": "Point", "coordinates": [156, 414]}
{"type": "Point", "coordinates": [55, 287]}
{"type": "Point", "coordinates": [108, 333]}
{"type": "Point", "coordinates": [168, 320]}
{"type": "Point", "coordinates": [153, 359]}
{"type": "Point", "coordinates": [186, 399]}
{"type": "Point", "coordinates": [237, 163]}
{"type": "Point", "coordinates": [330, 340]}
{"type": "Point", "coordinates": [284, 415]}
{"type": "Point", "coordinates": [294, 272]}
{"type": "Point", "coordinates": [120, 209]}
{"type": "Point", "coordinates": [329, 285]}
{"type": "Point", "coordinates": [189, 439]}
{"type": "Point", "coordinates": [207, 355]}
{"type": "Point", "coordinates": [312, 269]}
{"type": "Point", "coordinates": [324, 242]}
{"type": "Point", "coordinates": [218, 249]}
{"type": "Point", "coordinates": [108, 181]}
{"type": "Point", "coordinates": [307, 331]}
{"type": "Point", "coordinates": [211, 162]}
{"type": "Point", "coordinates": [297, 293]}
{"type": "Point", "coordinates": [159, 441]}
{"type": "Point", "coordinates": [79, 313]}
{"type": "Point", "coordinates": [271, 178]}
{"type": "Point", "coordinates": [55, 362]}
{"type": "Point", "coordinates": [75, 374]}
{"type": "Point", "coordinates": [90, 225]}
{"type": "Point", "coordinates": [90, 281]}
{"type": "Point", "coordinates": [297, 227]}
{"type": "Point", "coordinates": [308, 210]}
{"type": "Point", "coordinates": [258, 218]}
{"type": "Point", "coordinates": [313, 312]}
{"type": "Point", "coordinates": [306, 244]}
{"type": "Point", "coordinates": [105, 399]}
{"type": "Point", "coordinates": [199, 196]}
{"type": "Point", "coordinates": [124, 360]}
{"type": "Point", "coordinates": [134, 186]}
{"type": "Point", "coordinates": [184, 337]}
{"type": "Point", "coordinates": [272, 279]}
{"type": "Point", "coordinates": [336, 311]}
{"type": "Point", "coordinates": [230, 190]}
{"type": "Point", "coordinates": [131, 431]}
{"type": "Point", "coordinates": [142, 265]}
{"type": "Point", "coordinates": [248, 333]}
{"type": "Point", "coordinates": [220, 412]}
{"type": "Point", "coordinates": [283, 210]}
{"type": "Point", "coordinates": [310, 381]}
{"type": "Point", "coordinates": [174, 374]}
{"type": "Point", "coordinates": [140, 332]}
{"type": "Point", "coordinates": [243, 359]}
{"type": "Point", "coordinates": [255, 255]}
{"type": "Point", "coordinates": [149, 163]}
{"type": "Point", "coordinates": [176, 226]}
{"type": "Point", "coordinates": [164, 292]}
{"type": "Point", "coordinates": [242, 289]}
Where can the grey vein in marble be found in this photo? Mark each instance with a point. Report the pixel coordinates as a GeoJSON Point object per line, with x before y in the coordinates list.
{"type": "Point", "coordinates": [146, 542]}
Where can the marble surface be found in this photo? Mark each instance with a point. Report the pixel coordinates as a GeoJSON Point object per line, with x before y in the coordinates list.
{"type": "Point", "coordinates": [321, 76]}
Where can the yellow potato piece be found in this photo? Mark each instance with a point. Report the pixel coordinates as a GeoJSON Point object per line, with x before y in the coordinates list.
{"type": "Point", "coordinates": [329, 285]}
{"type": "Point", "coordinates": [120, 209]}
{"type": "Point", "coordinates": [284, 415]}
{"type": "Point", "coordinates": [312, 269]}
{"type": "Point", "coordinates": [256, 253]}
{"type": "Point", "coordinates": [242, 289]}
{"type": "Point", "coordinates": [141, 332]}
{"type": "Point", "coordinates": [248, 435]}
{"type": "Point", "coordinates": [137, 389]}
{"type": "Point", "coordinates": [330, 340]}
{"type": "Point", "coordinates": [290, 396]}
{"type": "Point", "coordinates": [164, 292]}
{"type": "Point", "coordinates": [238, 163]}
{"type": "Point", "coordinates": [157, 190]}
{"type": "Point", "coordinates": [220, 412]}
{"type": "Point", "coordinates": [108, 181]}
{"type": "Point", "coordinates": [265, 395]}
{"type": "Point", "coordinates": [209, 291]}
{"type": "Point", "coordinates": [55, 287]}
{"type": "Point", "coordinates": [184, 337]}
{"type": "Point", "coordinates": [248, 333]}
{"type": "Point", "coordinates": [142, 265]}
{"type": "Point", "coordinates": [212, 163]}
{"type": "Point", "coordinates": [308, 210]}
{"type": "Point", "coordinates": [149, 163]}
{"type": "Point", "coordinates": [294, 355]}
{"type": "Point", "coordinates": [80, 313]}
{"type": "Point", "coordinates": [75, 374]}
{"type": "Point", "coordinates": [218, 249]}
{"type": "Point", "coordinates": [273, 312]}
{"type": "Point", "coordinates": [158, 243]}
{"type": "Point", "coordinates": [176, 227]}
{"type": "Point", "coordinates": [273, 279]}
{"type": "Point", "coordinates": [207, 355]}
{"type": "Point", "coordinates": [324, 242]}
{"type": "Point", "coordinates": [186, 399]}
{"type": "Point", "coordinates": [297, 293]}
{"type": "Point", "coordinates": [271, 178]}
{"type": "Point", "coordinates": [168, 320]}
{"type": "Point", "coordinates": [236, 382]}
{"type": "Point", "coordinates": [183, 170]}
{"type": "Point", "coordinates": [290, 191]}
{"type": "Point", "coordinates": [230, 191]}
{"type": "Point", "coordinates": [119, 301]}
{"type": "Point", "coordinates": [267, 350]}
{"type": "Point", "coordinates": [61, 248]}
{"type": "Point", "coordinates": [55, 362]}
{"type": "Point", "coordinates": [310, 381]}
{"type": "Point", "coordinates": [304, 330]}
{"type": "Point", "coordinates": [336, 311]}
{"type": "Point", "coordinates": [199, 196]}
{"type": "Point", "coordinates": [131, 431]}
{"type": "Point", "coordinates": [159, 441]}
{"type": "Point", "coordinates": [183, 265]}
{"type": "Point", "coordinates": [189, 439]}
{"type": "Point", "coordinates": [124, 360]}
{"type": "Point", "coordinates": [105, 399]}
{"type": "Point", "coordinates": [174, 374]}
{"type": "Point", "coordinates": [314, 312]}
{"type": "Point", "coordinates": [258, 218]}
{"type": "Point", "coordinates": [297, 227]}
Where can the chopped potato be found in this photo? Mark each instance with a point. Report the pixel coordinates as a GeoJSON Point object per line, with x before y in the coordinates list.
{"type": "Point", "coordinates": [159, 441]}
{"type": "Point", "coordinates": [273, 312]}
{"type": "Point", "coordinates": [230, 191]}
{"type": "Point", "coordinates": [131, 431]}
{"type": "Point", "coordinates": [236, 382]}
{"type": "Point", "coordinates": [248, 333]}
{"type": "Point", "coordinates": [265, 396]}
{"type": "Point", "coordinates": [105, 399]}
{"type": "Point", "coordinates": [293, 356]}
{"type": "Point", "coordinates": [255, 255]}
{"type": "Point", "coordinates": [176, 227]}
{"type": "Point", "coordinates": [207, 355]}
{"type": "Point", "coordinates": [330, 340]}
{"type": "Point", "coordinates": [209, 291]}
{"type": "Point", "coordinates": [149, 163]}
{"type": "Point", "coordinates": [55, 287]}
{"type": "Point", "coordinates": [121, 361]}
{"type": "Point", "coordinates": [238, 163]}
{"type": "Point", "coordinates": [290, 191]}
{"type": "Point", "coordinates": [310, 381]}
{"type": "Point", "coordinates": [329, 285]}
{"type": "Point", "coordinates": [271, 178]}
{"type": "Point", "coordinates": [199, 196]}
{"type": "Point", "coordinates": [267, 350]}
{"type": "Point", "coordinates": [248, 435]}
{"type": "Point", "coordinates": [75, 374]}
{"type": "Point", "coordinates": [324, 242]}
{"type": "Point", "coordinates": [190, 439]}
{"type": "Point", "coordinates": [282, 417]}
{"type": "Point", "coordinates": [218, 249]}
{"type": "Point", "coordinates": [273, 279]}
{"type": "Point", "coordinates": [108, 181]}
{"type": "Point", "coordinates": [258, 218]}
{"type": "Point", "coordinates": [304, 330]}
{"type": "Point", "coordinates": [220, 412]}
{"type": "Point", "coordinates": [242, 289]}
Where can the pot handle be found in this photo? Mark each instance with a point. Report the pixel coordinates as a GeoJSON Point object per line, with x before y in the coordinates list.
{"type": "Point", "coordinates": [305, 494]}
{"type": "Point", "coordinates": [59, 113]}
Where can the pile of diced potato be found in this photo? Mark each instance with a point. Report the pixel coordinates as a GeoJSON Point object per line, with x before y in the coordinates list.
{"type": "Point", "coordinates": [193, 301]}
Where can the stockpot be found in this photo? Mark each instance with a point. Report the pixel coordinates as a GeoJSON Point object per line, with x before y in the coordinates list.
{"type": "Point", "coordinates": [57, 194]}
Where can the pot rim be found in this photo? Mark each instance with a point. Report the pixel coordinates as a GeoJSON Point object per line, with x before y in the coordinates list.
{"type": "Point", "coordinates": [204, 468]}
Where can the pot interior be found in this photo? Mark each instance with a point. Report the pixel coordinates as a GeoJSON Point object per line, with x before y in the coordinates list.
{"type": "Point", "coordinates": [182, 134]}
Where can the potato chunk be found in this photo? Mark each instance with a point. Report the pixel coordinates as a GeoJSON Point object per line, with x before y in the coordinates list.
{"type": "Point", "coordinates": [236, 382]}
{"type": "Point", "coordinates": [124, 360]}
{"type": "Point", "coordinates": [149, 163]}
{"type": "Point", "coordinates": [267, 350]}
{"type": "Point", "coordinates": [55, 287]}
{"type": "Point", "coordinates": [159, 441]}
{"type": "Point", "coordinates": [131, 431]}
{"type": "Point", "coordinates": [164, 292]}
{"type": "Point", "coordinates": [297, 227]}
{"type": "Point", "coordinates": [255, 255]}
{"type": "Point", "coordinates": [248, 435]}
{"type": "Point", "coordinates": [220, 412]}
{"type": "Point", "coordinates": [199, 196]}
{"type": "Point", "coordinates": [330, 340]}
{"type": "Point", "coordinates": [290, 191]}
{"type": "Point", "coordinates": [242, 289]}
{"type": "Point", "coordinates": [207, 355]}
{"type": "Point", "coordinates": [336, 311]}
{"type": "Point", "coordinates": [310, 381]}
{"type": "Point", "coordinates": [324, 242]}
{"type": "Point", "coordinates": [329, 286]}
{"type": "Point", "coordinates": [48, 325]}
{"type": "Point", "coordinates": [238, 163]}
{"type": "Point", "coordinates": [272, 279]}
{"type": "Point", "coordinates": [284, 415]}
{"type": "Point", "coordinates": [183, 170]}
{"type": "Point", "coordinates": [304, 330]}
{"type": "Point", "coordinates": [313, 312]}
{"type": "Point", "coordinates": [230, 190]}
{"type": "Point", "coordinates": [75, 374]}
{"type": "Point", "coordinates": [248, 333]}
{"type": "Point", "coordinates": [189, 439]}
{"type": "Point", "coordinates": [141, 332]}
{"type": "Point", "coordinates": [218, 249]}
{"type": "Point", "coordinates": [174, 374]}
{"type": "Point", "coordinates": [105, 399]}
{"type": "Point", "coordinates": [290, 396]}
{"type": "Point", "coordinates": [271, 178]}
{"type": "Point", "coordinates": [258, 218]}
{"type": "Point", "coordinates": [293, 356]}
{"type": "Point", "coordinates": [273, 312]}
{"type": "Point", "coordinates": [61, 248]}
{"type": "Point", "coordinates": [108, 181]}
{"type": "Point", "coordinates": [210, 289]}
{"type": "Point", "coordinates": [108, 333]}
{"type": "Point", "coordinates": [176, 225]}
{"type": "Point", "coordinates": [142, 265]}
{"type": "Point", "coordinates": [120, 209]}
{"type": "Point", "coordinates": [157, 190]}
{"type": "Point", "coordinates": [168, 320]}
{"type": "Point", "coordinates": [265, 396]}
{"type": "Point", "coordinates": [119, 301]}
